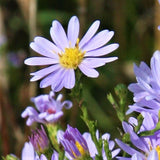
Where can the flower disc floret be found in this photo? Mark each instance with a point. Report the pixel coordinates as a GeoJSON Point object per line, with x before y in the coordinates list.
{"type": "Point", "coordinates": [71, 58]}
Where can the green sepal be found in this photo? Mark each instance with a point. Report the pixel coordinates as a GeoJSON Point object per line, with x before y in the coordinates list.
{"type": "Point", "coordinates": [10, 157]}
{"type": "Point", "coordinates": [92, 129]}
{"type": "Point", "coordinates": [120, 106]}
{"type": "Point", "coordinates": [140, 121]}
{"type": "Point", "coordinates": [52, 130]}
{"type": "Point", "coordinates": [106, 149]}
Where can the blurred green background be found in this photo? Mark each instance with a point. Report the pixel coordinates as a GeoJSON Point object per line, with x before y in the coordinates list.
{"type": "Point", "coordinates": [135, 25]}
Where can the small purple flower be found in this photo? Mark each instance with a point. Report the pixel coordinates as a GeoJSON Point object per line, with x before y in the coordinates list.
{"type": "Point", "coordinates": [74, 143]}
{"type": "Point", "coordinates": [49, 109]}
{"type": "Point", "coordinates": [66, 53]}
{"type": "Point", "coordinates": [39, 140]}
{"type": "Point", "coordinates": [146, 147]}
{"type": "Point", "coordinates": [147, 89]}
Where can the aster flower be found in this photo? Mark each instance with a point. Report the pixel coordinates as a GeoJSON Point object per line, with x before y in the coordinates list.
{"type": "Point", "coordinates": [49, 110]}
{"type": "Point", "coordinates": [74, 144]}
{"type": "Point", "coordinates": [145, 147]}
{"type": "Point", "coordinates": [77, 145]}
{"type": "Point", "coordinates": [67, 53]}
{"type": "Point", "coordinates": [147, 89]}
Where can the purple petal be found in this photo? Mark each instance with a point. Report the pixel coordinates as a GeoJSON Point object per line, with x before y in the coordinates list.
{"type": "Point", "coordinates": [69, 79]}
{"type": "Point", "coordinates": [138, 142]}
{"type": "Point", "coordinates": [135, 88]}
{"type": "Point", "coordinates": [28, 152]}
{"type": "Point", "coordinates": [141, 109]}
{"type": "Point", "coordinates": [143, 72]}
{"type": "Point", "coordinates": [52, 78]}
{"type": "Point", "coordinates": [98, 40]}
{"type": "Point", "coordinates": [153, 155]}
{"type": "Point", "coordinates": [136, 157]}
{"type": "Point", "coordinates": [43, 157]}
{"type": "Point", "coordinates": [115, 152]}
{"type": "Point", "coordinates": [54, 117]}
{"type": "Point", "coordinates": [97, 62]}
{"type": "Point", "coordinates": [67, 104]}
{"type": "Point", "coordinates": [54, 156]}
{"type": "Point", "coordinates": [127, 148]}
{"type": "Point", "coordinates": [155, 65]}
{"type": "Point", "coordinates": [91, 146]}
{"type": "Point", "coordinates": [73, 30]}
{"type": "Point", "coordinates": [58, 85]}
{"type": "Point", "coordinates": [45, 47]}
{"type": "Point", "coordinates": [89, 72]}
{"type": "Point", "coordinates": [58, 35]}
{"type": "Point", "coordinates": [37, 61]}
{"type": "Point", "coordinates": [29, 111]}
{"type": "Point", "coordinates": [43, 72]}
{"type": "Point", "coordinates": [42, 115]}
{"type": "Point", "coordinates": [144, 85]}
{"type": "Point", "coordinates": [90, 33]}
{"type": "Point", "coordinates": [102, 51]}
{"type": "Point", "coordinates": [139, 96]}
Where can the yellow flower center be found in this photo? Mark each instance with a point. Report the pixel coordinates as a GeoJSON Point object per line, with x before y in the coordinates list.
{"type": "Point", "coordinates": [80, 148]}
{"type": "Point", "coordinates": [71, 57]}
{"type": "Point", "coordinates": [158, 151]}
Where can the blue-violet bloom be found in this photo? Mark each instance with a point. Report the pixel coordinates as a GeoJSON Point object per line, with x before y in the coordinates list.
{"type": "Point", "coordinates": [147, 89]}
{"type": "Point", "coordinates": [49, 110]}
{"type": "Point", "coordinates": [73, 142]}
{"type": "Point", "coordinates": [67, 53]}
{"type": "Point", "coordinates": [145, 147]}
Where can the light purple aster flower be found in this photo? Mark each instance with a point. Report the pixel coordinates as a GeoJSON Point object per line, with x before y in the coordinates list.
{"type": "Point", "coordinates": [146, 147]}
{"type": "Point", "coordinates": [147, 89]}
{"type": "Point", "coordinates": [48, 109]}
{"type": "Point", "coordinates": [73, 142]}
{"type": "Point", "coordinates": [76, 145]}
{"type": "Point", "coordinates": [66, 53]}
